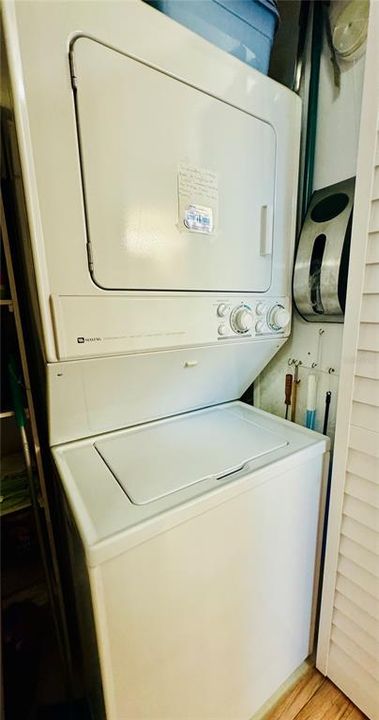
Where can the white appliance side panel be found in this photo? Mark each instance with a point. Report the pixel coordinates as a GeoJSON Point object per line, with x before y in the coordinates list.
{"type": "Point", "coordinates": [222, 603]}
{"type": "Point", "coordinates": [159, 154]}
{"type": "Point", "coordinates": [84, 610]}
{"type": "Point", "coordinates": [99, 395]}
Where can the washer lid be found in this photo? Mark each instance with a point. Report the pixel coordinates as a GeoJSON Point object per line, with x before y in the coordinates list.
{"type": "Point", "coordinates": [154, 461]}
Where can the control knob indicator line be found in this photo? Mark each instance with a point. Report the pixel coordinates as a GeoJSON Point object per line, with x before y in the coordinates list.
{"type": "Point", "coordinates": [222, 310]}
{"type": "Point", "coordinates": [278, 318]}
{"type": "Point", "coordinates": [241, 319]}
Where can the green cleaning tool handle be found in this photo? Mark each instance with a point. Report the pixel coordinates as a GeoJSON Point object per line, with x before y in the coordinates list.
{"type": "Point", "coordinates": [16, 392]}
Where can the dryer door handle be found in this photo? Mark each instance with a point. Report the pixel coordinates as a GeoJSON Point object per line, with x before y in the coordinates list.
{"type": "Point", "coordinates": [266, 230]}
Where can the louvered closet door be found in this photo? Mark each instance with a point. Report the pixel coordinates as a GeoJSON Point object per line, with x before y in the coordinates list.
{"type": "Point", "coordinates": [348, 649]}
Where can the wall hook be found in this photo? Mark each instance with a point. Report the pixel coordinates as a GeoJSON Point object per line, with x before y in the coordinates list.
{"type": "Point", "coordinates": [293, 361]}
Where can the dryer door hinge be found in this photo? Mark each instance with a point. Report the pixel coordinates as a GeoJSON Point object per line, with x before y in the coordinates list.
{"type": "Point", "coordinates": [72, 70]}
{"type": "Point", "coordinates": [90, 257]}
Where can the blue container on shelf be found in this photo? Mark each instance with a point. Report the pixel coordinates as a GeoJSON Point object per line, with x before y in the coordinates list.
{"type": "Point", "coordinates": [244, 28]}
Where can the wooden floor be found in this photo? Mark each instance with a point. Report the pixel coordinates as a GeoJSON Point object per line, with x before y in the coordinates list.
{"type": "Point", "coordinates": [314, 697]}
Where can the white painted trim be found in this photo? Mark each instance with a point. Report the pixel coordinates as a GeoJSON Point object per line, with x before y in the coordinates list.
{"type": "Point", "coordinates": [366, 153]}
{"type": "Point", "coordinates": [27, 164]}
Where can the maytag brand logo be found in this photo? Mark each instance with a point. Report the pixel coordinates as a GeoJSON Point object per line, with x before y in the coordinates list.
{"type": "Point", "coordinates": [88, 339]}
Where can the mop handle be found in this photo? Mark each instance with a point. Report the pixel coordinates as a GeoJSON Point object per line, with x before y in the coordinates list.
{"type": "Point", "coordinates": [326, 416]}
{"type": "Point", "coordinates": [288, 392]}
{"type": "Point", "coordinates": [294, 392]}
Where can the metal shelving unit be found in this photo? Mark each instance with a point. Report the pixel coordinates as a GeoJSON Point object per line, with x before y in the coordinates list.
{"type": "Point", "coordinates": [6, 414]}
{"type": "Point", "coordinates": [13, 468]}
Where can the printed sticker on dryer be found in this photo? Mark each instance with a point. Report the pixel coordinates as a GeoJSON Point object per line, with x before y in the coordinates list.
{"type": "Point", "coordinates": [197, 199]}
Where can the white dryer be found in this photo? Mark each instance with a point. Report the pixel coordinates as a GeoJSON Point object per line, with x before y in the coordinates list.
{"type": "Point", "coordinates": [160, 178]}
{"type": "Point", "coordinates": [161, 182]}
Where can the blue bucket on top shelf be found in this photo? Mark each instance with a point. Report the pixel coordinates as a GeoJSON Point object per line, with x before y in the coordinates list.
{"type": "Point", "coordinates": [244, 28]}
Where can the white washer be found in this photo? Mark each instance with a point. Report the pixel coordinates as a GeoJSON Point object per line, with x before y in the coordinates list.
{"type": "Point", "coordinates": [196, 543]}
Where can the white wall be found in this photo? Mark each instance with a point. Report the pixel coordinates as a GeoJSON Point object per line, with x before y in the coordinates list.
{"type": "Point", "coordinates": [336, 154]}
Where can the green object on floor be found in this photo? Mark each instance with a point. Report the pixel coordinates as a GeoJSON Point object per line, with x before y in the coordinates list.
{"type": "Point", "coordinates": [16, 392]}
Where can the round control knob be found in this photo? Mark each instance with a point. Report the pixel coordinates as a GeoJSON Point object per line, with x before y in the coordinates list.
{"type": "Point", "coordinates": [222, 310]}
{"type": "Point", "coordinates": [222, 330]}
{"type": "Point", "coordinates": [241, 319]}
{"type": "Point", "coordinates": [259, 326]}
{"type": "Point", "coordinates": [261, 309]}
{"type": "Point", "coordinates": [278, 318]}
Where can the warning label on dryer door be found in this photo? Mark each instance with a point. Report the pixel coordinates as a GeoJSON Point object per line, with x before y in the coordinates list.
{"type": "Point", "coordinates": [198, 218]}
{"type": "Point", "coordinates": [197, 199]}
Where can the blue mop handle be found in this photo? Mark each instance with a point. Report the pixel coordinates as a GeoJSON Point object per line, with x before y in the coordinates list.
{"type": "Point", "coordinates": [310, 415]}
{"type": "Point", "coordinates": [310, 419]}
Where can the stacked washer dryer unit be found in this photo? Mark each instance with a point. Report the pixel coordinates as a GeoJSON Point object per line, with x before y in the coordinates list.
{"type": "Point", "coordinates": [160, 177]}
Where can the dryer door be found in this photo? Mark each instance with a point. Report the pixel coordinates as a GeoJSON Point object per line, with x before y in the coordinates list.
{"type": "Point", "coordinates": [178, 185]}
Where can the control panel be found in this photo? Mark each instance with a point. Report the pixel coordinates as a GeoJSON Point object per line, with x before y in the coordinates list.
{"type": "Point", "coordinates": [252, 319]}
{"type": "Point", "coordinates": [91, 326]}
